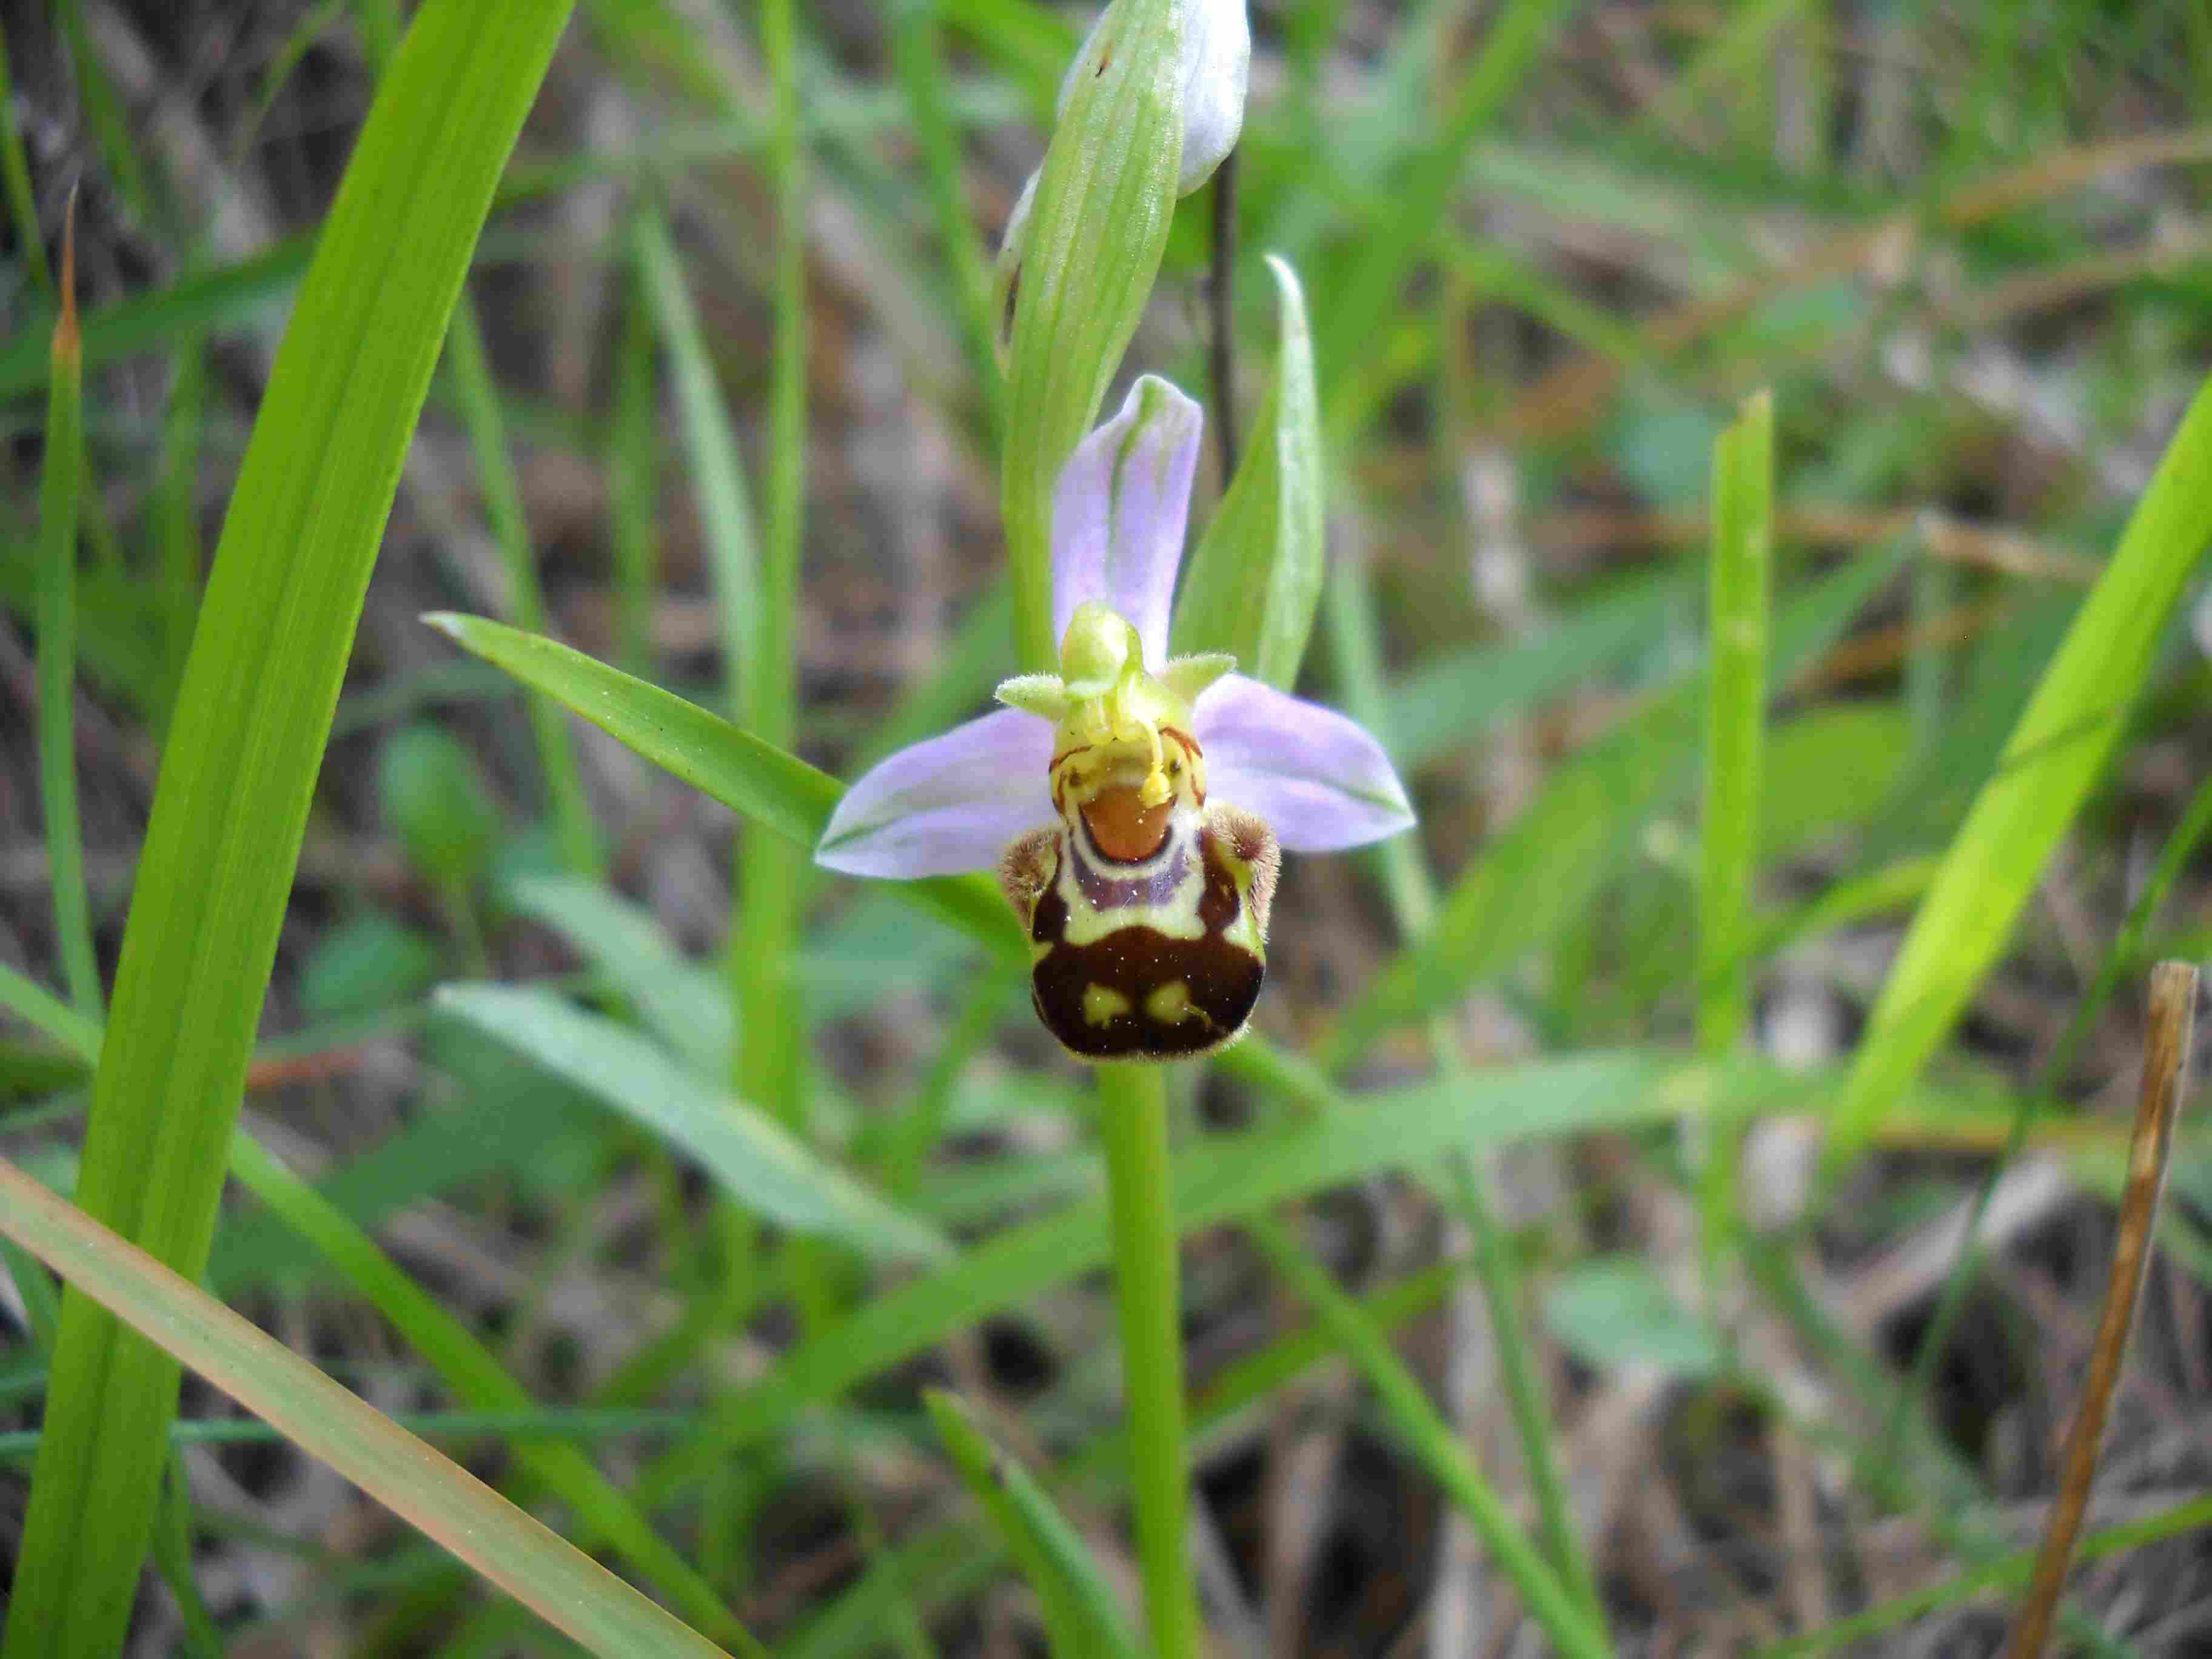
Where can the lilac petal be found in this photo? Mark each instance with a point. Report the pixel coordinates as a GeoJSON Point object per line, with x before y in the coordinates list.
{"type": "Point", "coordinates": [950, 804]}
{"type": "Point", "coordinates": [1118, 513]}
{"type": "Point", "coordinates": [1319, 778]}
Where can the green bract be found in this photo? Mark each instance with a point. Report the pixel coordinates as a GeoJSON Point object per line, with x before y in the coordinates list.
{"type": "Point", "coordinates": [1092, 245]}
{"type": "Point", "coordinates": [1256, 579]}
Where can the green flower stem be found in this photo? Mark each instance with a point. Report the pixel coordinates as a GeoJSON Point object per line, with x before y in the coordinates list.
{"type": "Point", "coordinates": [1133, 1123]}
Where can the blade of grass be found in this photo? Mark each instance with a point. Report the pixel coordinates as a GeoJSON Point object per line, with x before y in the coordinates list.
{"type": "Point", "coordinates": [61, 478]}
{"type": "Point", "coordinates": [569, 1590]}
{"type": "Point", "coordinates": [15, 172]}
{"type": "Point", "coordinates": [1419, 201]}
{"type": "Point", "coordinates": [2006, 1572]}
{"type": "Point", "coordinates": [711, 443]}
{"type": "Point", "coordinates": [1412, 893]}
{"type": "Point", "coordinates": [633, 483]}
{"type": "Point", "coordinates": [772, 871]}
{"type": "Point", "coordinates": [1081, 1615]}
{"type": "Point", "coordinates": [472, 1371]}
{"type": "Point", "coordinates": [245, 743]}
{"type": "Point", "coordinates": [918, 55]}
{"type": "Point", "coordinates": [2055, 754]}
{"type": "Point", "coordinates": [1227, 1178]}
{"type": "Point", "coordinates": [177, 512]}
{"type": "Point", "coordinates": [1524, 887]}
{"type": "Point", "coordinates": [1738, 598]}
{"type": "Point", "coordinates": [757, 1162]}
{"type": "Point", "coordinates": [1432, 1440]}
{"type": "Point", "coordinates": [510, 527]}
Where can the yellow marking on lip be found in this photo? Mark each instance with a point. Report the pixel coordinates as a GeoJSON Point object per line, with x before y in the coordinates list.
{"type": "Point", "coordinates": [1171, 1003]}
{"type": "Point", "coordinates": [1103, 1003]}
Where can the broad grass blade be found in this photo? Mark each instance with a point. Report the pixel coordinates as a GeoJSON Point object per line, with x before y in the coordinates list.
{"type": "Point", "coordinates": [566, 1588]}
{"type": "Point", "coordinates": [245, 743]}
{"type": "Point", "coordinates": [2057, 751]}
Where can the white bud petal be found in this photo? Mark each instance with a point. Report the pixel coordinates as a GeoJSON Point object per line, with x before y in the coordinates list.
{"type": "Point", "coordinates": [1217, 69]}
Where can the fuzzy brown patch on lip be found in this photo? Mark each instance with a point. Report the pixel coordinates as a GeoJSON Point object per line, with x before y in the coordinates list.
{"type": "Point", "coordinates": [1123, 827]}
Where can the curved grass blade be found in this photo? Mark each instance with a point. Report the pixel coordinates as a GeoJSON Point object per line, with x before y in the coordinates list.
{"type": "Point", "coordinates": [245, 743]}
{"type": "Point", "coordinates": [755, 1160]}
{"type": "Point", "coordinates": [1434, 1441]}
{"type": "Point", "coordinates": [566, 1588]}
{"type": "Point", "coordinates": [777, 790]}
{"type": "Point", "coordinates": [1228, 1177]}
{"type": "Point", "coordinates": [1081, 1611]}
{"type": "Point", "coordinates": [2057, 751]}
{"type": "Point", "coordinates": [474, 1374]}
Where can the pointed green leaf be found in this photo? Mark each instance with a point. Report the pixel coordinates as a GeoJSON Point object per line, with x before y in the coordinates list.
{"type": "Point", "coordinates": [1256, 579]}
{"type": "Point", "coordinates": [777, 790]}
{"type": "Point", "coordinates": [752, 1157]}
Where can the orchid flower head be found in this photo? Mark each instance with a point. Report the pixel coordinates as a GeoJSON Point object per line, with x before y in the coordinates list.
{"type": "Point", "coordinates": [1132, 804]}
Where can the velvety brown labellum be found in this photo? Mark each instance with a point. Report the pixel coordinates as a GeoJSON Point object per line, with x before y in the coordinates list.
{"type": "Point", "coordinates": [1159, 961]}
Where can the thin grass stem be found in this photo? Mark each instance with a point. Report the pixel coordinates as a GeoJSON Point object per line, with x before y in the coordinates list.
{"type": "Point", "coordinates": [487, 428]}
{"type": "Point", "coordinates": [2169, 1025]}
{"type": "Point", "coordinates": [58, 497]}
{"type": "Point", "coordinates": [1133, 1123]}
{"type": "Point", "coordinates": [1739, 590]}
{"type": "Point", "coordinates": [1437, 1446]}
{"type": "Point", "coordinates": [15, 174]}
{"type": "Point", "coordinates": [1410, 890]}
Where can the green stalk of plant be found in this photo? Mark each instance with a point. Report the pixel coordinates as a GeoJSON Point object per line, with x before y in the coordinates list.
{"type": "Point", "coordinates": [478, 398]}
{"type": "Point", "coordinates": [512, 1550]}
{"type": "Point", "coordinates": [2054, 755]}
{"type": "Point", "coordinates": [245, 743]}
{"type": "Point", "coordinates": [59, 484]}
{"type": "Point", "coordinates": [1411, 891]}
{"type": "Point", "coordinates": [15, 174]}
{"type": "Point", "coordinates": [772, 873]}
{"type": "Point", "coordinates": [1738, 600]}
{"type": "Point", "coordinates": [1432, 1439]}
{"type": "Point", "coordinates": [1133, 1127]}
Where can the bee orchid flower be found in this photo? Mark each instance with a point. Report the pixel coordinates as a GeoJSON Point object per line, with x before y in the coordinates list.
{"type": "Point", "coordinates": [1133, 805]}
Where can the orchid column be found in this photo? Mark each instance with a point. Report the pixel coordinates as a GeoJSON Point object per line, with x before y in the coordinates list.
{"type": "Point", "coordinates": [1133, 804]}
